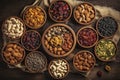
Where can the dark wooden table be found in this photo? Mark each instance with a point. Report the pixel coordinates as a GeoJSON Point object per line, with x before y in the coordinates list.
{"type": "Point", "coordinates": [14, 7]}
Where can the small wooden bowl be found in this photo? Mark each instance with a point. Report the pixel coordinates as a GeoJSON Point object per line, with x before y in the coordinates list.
{"type": "Point", "coordinates": [100, 33]}
{"type": "Point", "coordinates": [4, 57]}
{"type": "Point", "coordinates": [55, 1]}
{"type": "Point", "coordinates": [33, 27]}
{"type": "Point", "coordinates": [23, 43]}
{"type": "Point", "coordinates": [52, 74]}
{"type": "Point", "coordinates": [103, 59]}
{"type": "Point", "coordinates": [9, 38]}
{"type": "Point", "coordinates": [91, 29]}
{"type": "Point", "coordinates": [80, 53]}
{"type": "Point", "coordinates": [82, 22]}
{"type": "Point", "coordinates": [74, 40]}
{"type": "Point", "coordinates": [40, 53]}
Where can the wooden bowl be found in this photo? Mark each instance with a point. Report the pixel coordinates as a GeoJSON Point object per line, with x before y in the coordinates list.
{"type": "Point", "coordinates": [55, 1]}
{"type": "Point", "coordinates": [103, 59]}
{"type": "Point", "coordinates": [4, 56]}
{"type": "Point", "coordinates": [100, 33]}
{"type": "Point", "coordinates": [87, 27]}
{"type": "Point", "coordinates": [66, 27]}
{"type": "Point", "coordinates": [38, 26]}
{"type": "Point", "coordinates": [24, 35]}
{"type": "Point", "coordinates": [40, 53]}
{"type": "Point", "coordinates": [52, 74]}
{"type": "Point", "coordinates": [10, 38]}
{"type": "Point", "coordinates": [84, 23]}
{"type": "Point", "coordinates": [80, 53]}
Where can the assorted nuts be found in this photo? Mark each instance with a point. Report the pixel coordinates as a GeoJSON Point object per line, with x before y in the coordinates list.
{"type": "Point", "coordinates": [58, 68]}
{"type": "Point", "coordinates": [31, 40]}
{"type": "Point", "coordinates": [84, 61]}
{"type": "Point", "coordinates": [107, 26]}
{"type": "Point", "coordinates": [34, 17]}
{"type": "Point", "coordinates": [87, 37]}
{"type": "Point", "coordinates": [13, 53]}
{"type": "Point", "coordinates": [84, 13]}
{"type": "Point", "coordinates": [60, 11]}
{"type": "Point", "coordinates": [13, 27]}
{"type": "Point", "coordinates": [58, 40]}
{"type": "Point", "coordinates": [105, 50]}
{"type": "Point", "coordinates": [35, 62]}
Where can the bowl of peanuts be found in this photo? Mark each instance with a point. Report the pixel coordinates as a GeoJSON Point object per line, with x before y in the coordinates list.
{"type": "Point", "coordinates": [84, 61]}
{"type": "Point", "coordinates": [58, 68]}
{"type": "Point", "coordinates": [13, 53]}
{"type": "Point", "coordinates": [84, 13]}
{"type": "Point", "coordinates": [59, 40]}
{"type": "Point", "coordinates": [34, 17]}
{"type": "Point", "coordinates": [13, 28]}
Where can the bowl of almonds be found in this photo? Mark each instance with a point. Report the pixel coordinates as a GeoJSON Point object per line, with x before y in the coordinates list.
{"type": "Point", "coordinates": [13, 53]}
{"type": "Point", "coordinates": [84, 13]}
{"type": "Point", "coordinates": [84, 61]}
{"type": "Point", "coordinates": [58, 40]}
{"type": "Point", "coordinates": [34, 17]}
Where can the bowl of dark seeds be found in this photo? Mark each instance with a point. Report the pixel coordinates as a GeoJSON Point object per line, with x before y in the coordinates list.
{"type": "Point", "coordinates": [106, 26]}
{"type": "Point", "coordinates": [35, 62]}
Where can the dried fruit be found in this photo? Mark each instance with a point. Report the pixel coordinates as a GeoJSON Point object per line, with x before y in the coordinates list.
{"type": "Point", "coordinates": [60, 11]}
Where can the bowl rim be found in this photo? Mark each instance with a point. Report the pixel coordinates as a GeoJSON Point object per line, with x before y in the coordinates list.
{"type": "Point", "coordinates": [79, 5]}
{"type": "Point", "coordinates": [33, 27]}
{"type": "Point", "coordinates": [79, 52]}
{"type": "Point", "coordinates": [68, 28]}
{"type": "Point", "coordinates": [39, 53]}
{"type": "Point", "coordinates": [57, 60]}
{"type": "Point", "coordinates": [99, 57]}
{"type": "Point", "coordinates": [54, 1]}
{"type": "Point", "coordinates": [98, 29]}
{"type": "Point", "coordinates": [25, 34]}
{"type": "Point", "coordinates": [10, 38]}
{"type": "Point", "coordinates": [18, 44]}
{"type": "Point", "coordinates": [85, 27]}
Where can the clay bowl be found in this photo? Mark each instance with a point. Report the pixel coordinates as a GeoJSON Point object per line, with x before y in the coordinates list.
{"type": "Point", "coordinates": [38, 53]}
{"type": "Point", "coordinates": [47, 48]}
{"type": "Point", "coordinates": [23, 44]}
{"type": "Point", "coordinates": [87, 46]}
{"type": "Point", "coordinates": [85, 13]}
{"type": "Point", "coordinates": [51, 16]}
{"type": "Point", "coordinates": [81, 53]}
{"type": "Point", "coordinates": [32, 26]}
{"type": "Point", "coordinates": [52, 74]}
{"type": "Point", "coordinates": [3, 56]}
{"type": "Point", "coordinates": [101, 33]}
{"type": "Point", "coordinates": [11, 38]}
{"type": "Point", "coordinates": [112, 57]}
